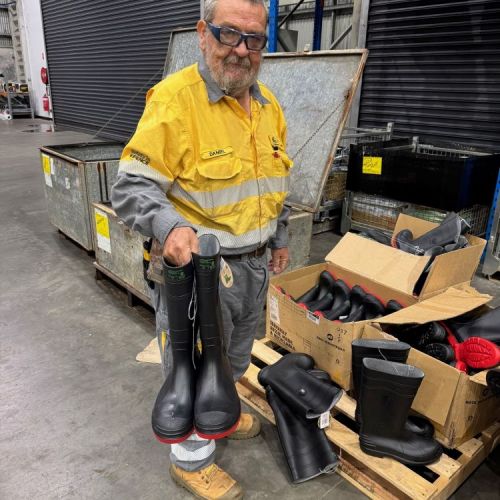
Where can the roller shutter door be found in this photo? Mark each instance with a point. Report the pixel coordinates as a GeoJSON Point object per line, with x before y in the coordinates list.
{"type": "Point", "coordinates": [434, 69]}
{"type": "Point", "coordinates": [101, 53]}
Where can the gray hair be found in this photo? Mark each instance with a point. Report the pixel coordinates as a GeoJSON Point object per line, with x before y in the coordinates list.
{"type": "Point", "coordinates": [210, 5]}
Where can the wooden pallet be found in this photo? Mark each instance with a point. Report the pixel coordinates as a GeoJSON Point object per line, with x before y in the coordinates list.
{"type": "Point", "coordinates": [383, 478]}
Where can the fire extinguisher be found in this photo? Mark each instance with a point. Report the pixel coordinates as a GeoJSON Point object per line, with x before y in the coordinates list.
{"type": "Point", "coordinates": [45, 102]}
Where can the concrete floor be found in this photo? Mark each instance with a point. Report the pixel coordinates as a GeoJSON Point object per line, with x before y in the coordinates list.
{"type": "Point", "coordinates": [75, 405]}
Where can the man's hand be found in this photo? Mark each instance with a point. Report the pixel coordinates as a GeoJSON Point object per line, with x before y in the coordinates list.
{"type": "Point", "coordinates": [279, 260]}
{"type": "Point", "coordinates": [179, 245]}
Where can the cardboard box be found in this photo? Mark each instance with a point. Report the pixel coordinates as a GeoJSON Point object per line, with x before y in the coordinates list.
{"type": "Point", "coordinates": [384, 271]}
{"type": "Point", "coordinates": [460, 406]}
{"type": "Point", "coordinates": [401, 271]}
{"type": "Point", "coordinates": [329, 342]}
{"type": "Point", "coordinates": [298, 330]}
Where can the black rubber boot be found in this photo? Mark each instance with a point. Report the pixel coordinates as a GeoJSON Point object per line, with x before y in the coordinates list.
{"type": "Point", "coordinates": [485, 326]}
{"type": "Point", "coordinates": [307, 450]}
{"type": "Point", "coordinates": [447, 232]}
{"type": "Point", "coordinates": [172, 417]}
{"type": "Point", "coordinates": [419, 336]}
{"type": "Point", "coordinates": [341, 303]}
{"type": "Point", "coordinates": [493, 380]}
{"type": "Point", "coordinates": [321, 304]}
{"type": "Point", "coordinates": [377, 235]}
{"type": "Point", "coordinates": [389, 350]}
{"type": "Point", "coordinates": [393, 306]}
{"type": "Point", "coordinates": [318, 291]}
{"type": "Point", "coordinates": [430, 333]}
{"type": "Point", "coordinates": [373, 307]}
{"type": "Point", "coordinates": [357, 308]}
{"type": "Point", "coordinates": [443, 352]}
{"type": "Point", "coordinates": [386, 394]}
{"type": "Point", "coordinates": [217, 406]}
{"type": "Point", "coordinates": [290, 380]}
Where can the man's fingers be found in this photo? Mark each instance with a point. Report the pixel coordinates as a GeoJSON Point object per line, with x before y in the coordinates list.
{"type": "Point", "coordinates": [179, 245]}
{"type": "Point", "coordinates": [194, 244]}
{"type": "Point", "coordinates": [279, 260]}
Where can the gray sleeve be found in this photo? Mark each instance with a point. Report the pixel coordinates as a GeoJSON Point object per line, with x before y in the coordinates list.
{"type": "Point", "coordinates": [280, 239]}
{"type": "Point", "coordinates": [142, 204]}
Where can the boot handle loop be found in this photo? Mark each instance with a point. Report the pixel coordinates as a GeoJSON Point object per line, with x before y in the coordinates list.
{"type": "Point", "coordinates": [192, 310]}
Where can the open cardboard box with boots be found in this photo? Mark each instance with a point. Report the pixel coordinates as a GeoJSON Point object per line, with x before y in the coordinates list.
{"type": "Point", "coordinates": [383, 271]}
{"type": "Point", "coordinates": [459, 405]}
{"type": "Point", "coordinates": [400, 270]}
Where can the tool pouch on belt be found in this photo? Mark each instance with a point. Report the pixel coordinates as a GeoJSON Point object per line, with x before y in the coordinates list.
{"type": "Point", "coordinates": [155, 268]}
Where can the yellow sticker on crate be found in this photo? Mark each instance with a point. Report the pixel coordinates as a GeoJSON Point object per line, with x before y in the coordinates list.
{"type": "Point", "coordinates": [101, 224]}
{"type": "Point", "coordinates": [372, 165]}
{"type": "Point", "coordinates": [46, 164]}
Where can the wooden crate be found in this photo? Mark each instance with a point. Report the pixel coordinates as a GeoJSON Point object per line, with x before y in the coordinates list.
{"type": "Point", "coordinates": [383, 478]}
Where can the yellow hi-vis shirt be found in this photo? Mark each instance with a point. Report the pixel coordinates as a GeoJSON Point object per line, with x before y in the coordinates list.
{"type": "Point", "coordinates": [225, 172]}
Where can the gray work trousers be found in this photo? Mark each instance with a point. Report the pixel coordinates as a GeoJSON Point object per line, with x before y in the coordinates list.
{"type": "Point", "coordinates": [242, 305]}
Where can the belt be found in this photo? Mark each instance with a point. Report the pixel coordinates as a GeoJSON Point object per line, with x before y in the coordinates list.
{"type": "Point", "coordinates": [259, 252]}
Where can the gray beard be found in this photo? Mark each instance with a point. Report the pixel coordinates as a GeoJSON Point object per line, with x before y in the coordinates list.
{"type": "Point", "coordinates": [231, 87]}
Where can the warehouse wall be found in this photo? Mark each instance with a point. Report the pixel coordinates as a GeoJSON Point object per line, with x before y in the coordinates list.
{"type": "Point", "coordinates": [34, 52]}
{"type": "Point", "coordinates": [337, 17]}
{"type": "Point", "coordinates": [103, 56]}
{"type": "Point", "coordinates": [7, 67]}
{"type": "Point", "coordinates": [434, 70]}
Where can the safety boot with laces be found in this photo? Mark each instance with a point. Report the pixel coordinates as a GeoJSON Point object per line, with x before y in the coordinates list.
{"type": "Point", "coordinates": [248, 427]}
{"type": "Point", "coordinates": [210, 483]}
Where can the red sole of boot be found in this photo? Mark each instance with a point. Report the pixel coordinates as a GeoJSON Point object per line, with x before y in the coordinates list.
{"type": "Point", "coordinates": [173, 440]}
{"type": "Point", "coordinates": [220, 435]}
{"type": "Point", "coordinates": [477, 352]}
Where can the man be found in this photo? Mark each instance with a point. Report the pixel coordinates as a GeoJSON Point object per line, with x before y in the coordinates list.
{"type": "Point", "coordinates": [208, 156]}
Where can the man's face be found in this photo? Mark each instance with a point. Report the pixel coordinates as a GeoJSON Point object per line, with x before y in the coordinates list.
{"type": "Point", "coordinates": [234, 69]}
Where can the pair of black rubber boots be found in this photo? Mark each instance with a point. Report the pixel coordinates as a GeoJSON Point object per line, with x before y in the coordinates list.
{"type": "Point", "coordinates": [199, 392]}
{"type": "Point", "coordinates": [298, 395]}
{"type": "Point", "coordinates": [334, 300]}
{"type": "Point", "coordinates": [385, 389]}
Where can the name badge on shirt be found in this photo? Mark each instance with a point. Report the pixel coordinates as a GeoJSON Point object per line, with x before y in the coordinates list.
{"type": "Point", "coordinates": [215, 153]}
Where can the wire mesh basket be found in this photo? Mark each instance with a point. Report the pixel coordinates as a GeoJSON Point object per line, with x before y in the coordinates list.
{"type": "Point", "coordinates": [476, 216]}
{"type": "Point", "coordinates": [461, 151]}
{"type": "Point", "coordinates": [376, 211]}
{"type": "Point", "coordinates": [335, 186]}
{"type": "Point", "coordinates": [334, 189]}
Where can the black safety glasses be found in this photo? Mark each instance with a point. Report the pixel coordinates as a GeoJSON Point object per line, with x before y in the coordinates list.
{"type": "Point", "coordinates": [232, 38]}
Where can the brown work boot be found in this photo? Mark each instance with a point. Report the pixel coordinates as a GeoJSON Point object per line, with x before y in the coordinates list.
{"type": "Point", "coordinates": [248, 427]}
{"type": "Point", "coordinates": [210, 483]}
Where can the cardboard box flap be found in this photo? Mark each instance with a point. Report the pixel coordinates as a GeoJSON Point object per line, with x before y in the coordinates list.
{"type": "Point", "coordinates": [380, 263]}
{"type": "Point", "coordinates": [480, 378]}
{"type": "Point", "coordinates": [452, 302]}
{"type": "Point", "coordinates": [435, 394]}
{"type": "Point", "coordinates": [417, 226]}
{"type": "Point", "coordinates": [457, 268]}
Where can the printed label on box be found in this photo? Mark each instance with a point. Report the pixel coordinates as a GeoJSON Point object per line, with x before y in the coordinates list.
{"type": "Point", "coordinates": [274, 310]}
{"type": "Point", "coordinates": [312, 317]}
{"type": "Point", "coordinates": [372, 165]}
{"type": "Point", "coordinates": [102, 230]}
{"type": "Point", "coordinates": [47, 169]}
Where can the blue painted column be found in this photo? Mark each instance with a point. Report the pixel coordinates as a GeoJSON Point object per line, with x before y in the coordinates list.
{"type": "Point", "coordinates": [318, 24]}
{"type": "Point", "coordinates": [496, 200]}
{"type": "Point", "coordinates": [272, 44]}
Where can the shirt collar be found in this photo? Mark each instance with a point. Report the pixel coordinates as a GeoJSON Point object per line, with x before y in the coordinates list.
{"type": "Point", "coordinates": [215, 94]}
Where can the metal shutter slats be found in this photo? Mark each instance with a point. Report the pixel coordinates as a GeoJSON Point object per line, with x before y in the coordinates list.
{"type": "Point", "coordinates": [101, 53]}
{"type": "Point", "coordinates": [434, 70]}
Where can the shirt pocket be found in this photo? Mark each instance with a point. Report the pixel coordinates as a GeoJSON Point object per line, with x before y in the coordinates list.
{"type": "Point", "coordinates": [220, 180]}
